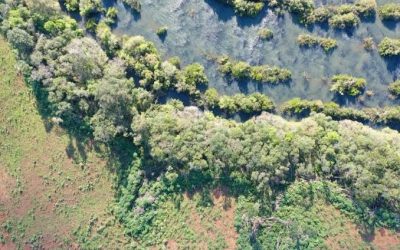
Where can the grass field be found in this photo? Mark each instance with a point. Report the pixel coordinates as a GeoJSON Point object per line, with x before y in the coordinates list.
{"type": "Point", "coordinates": [56, 192]}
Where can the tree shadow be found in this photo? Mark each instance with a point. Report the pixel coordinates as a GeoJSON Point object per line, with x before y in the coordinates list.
{"type": "Point", "coordinates": [392, 63]}
{"type": "Point", "coordinates": [390, 24]}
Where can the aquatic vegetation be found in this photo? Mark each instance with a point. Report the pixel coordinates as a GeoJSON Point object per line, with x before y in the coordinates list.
{"type": "Point", "coordinates": [394, 88]}
{"type": "Point", "coordinates": [389, 47]}
{"type": "Point", "coordinates": [162, 31]}
{"type": "Point", "coordinates": [90, 7]}
{"type": "Point", "coordinates": [265, 34]}
{"type": "Point", "coordinates": [389, 12]}
{"type": "Point", "coordinates": [246, 7]}
{"type": "Point", "coordinates": [72, 5]}
{"type": "Point", "coordinates": [133, 4]}
{"type": "Point", "coordinates": [365, 8]}
{"type": "Point", "coordinates": [348, 85]}
{"type": "Point", "coordinates": [302, 8]}
{"type": "Point", "coordinates": [261, 73]}
{"type": "Point", "coordinates": [368, 43]}
{"type": "Point", "coordinates": [327, 44]}
{"type": "Point", "coordinates": [344, 21]}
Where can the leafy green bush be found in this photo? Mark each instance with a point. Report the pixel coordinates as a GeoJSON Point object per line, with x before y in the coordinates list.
{"type": "Point", "coordinates": [262, 73]}
{"type": "Point", "coordinates": [72, 5]}
{"type": "Point", "coordinates": [246, 7]}
{"type": "Point", "coordinates": [134, 4]}
{"type": "Point", "coordinates": [302, 8]}
{"type": "Point", "coordinates": [327, 44]}
{"type": "Point", "coordinates": [389, 47]}
{"type": "Point", "coordinates": [265, 34]}
{"type": "Point", "coordinates": [347, 85]}
{"type": "Point", "coordinates": [365, 8]}
{"type": "Point", "coordinates": [394, 88]}
{"type": "Point", "coordinates": [390, 12]}
{"type": "Point", "coordinates": [162, 31]}
{"type": "Point", "coordinates": [90, 7]}
{"type": "Point", "coordinates": [344, 21]}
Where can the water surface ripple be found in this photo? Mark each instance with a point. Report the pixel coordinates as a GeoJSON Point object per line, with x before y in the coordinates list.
{"type": "Point", "coordinates": [199, 28]}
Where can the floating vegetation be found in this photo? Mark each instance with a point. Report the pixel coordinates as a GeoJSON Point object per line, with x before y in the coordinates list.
{"type": "Point", "coordinates": [262, 73]}
{"type": "Point", "coordinates": [327, 44]}
{"type": "Point", "coordinates": [390, 12]}
{"type": "Point", "coordinates": [348, 85]}
{"type": "Point", "coordinates": [389, 47]}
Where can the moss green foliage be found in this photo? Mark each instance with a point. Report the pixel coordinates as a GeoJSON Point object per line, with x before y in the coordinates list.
{"type": "Point", "coordinates": [300, 108]}
{"type": "Point", "coordinates": [72, 5]}
{"type": "Point", "coordinates": [162, 31]}
{"type": "Point", "coordinates": [344, 21]}
{"type": "Point", "coordinates": [90, 7]}
{"type": "Point", "coordinates": [252, 103]}
{"type": "Point", "coordinates": [262, 73]}
{"type": "Point", "coordinates": [348, 85]}
{"type": "Point", "coordinates": [394, 88]}
{"type": "Point", "coordinates": [390, 12]}
{"type": "Point", "coordinates": [246, 7]}
{"type": "Point", "coordinates": [133, 4]}
{"type": "Point", "coordinates": [327, 44]}
{"type": "Point", "coordinates": [368, 43]}
{"type": "Point", "coordinates": [389, 47]}
{"type": "Point", "coordinates": [265, 34]}
{"type": "Point", "coordinates": [302, 8]}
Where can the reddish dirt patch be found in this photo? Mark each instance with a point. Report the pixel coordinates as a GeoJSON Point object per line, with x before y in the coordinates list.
{"type": "Point", "coordinates": [386, 240]}
{"type": "Point", "coordinates": [226, 223]}
{"type": "Point", "coordinates": [172, 245]}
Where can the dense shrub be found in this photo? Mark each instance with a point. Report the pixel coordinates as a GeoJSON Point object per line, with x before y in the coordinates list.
{"type": "Point", "coordinates": [344, 21]}
{"type": "Point", "coordinates": [389, 47]}
{"type": "Point", "coordinates": [302, 8]}
{"type": "Point", "coordinates": [262, 73]}
{"type": "Point", "coordinates": [134, 4]}
{"type": "Point", "coordinates": [327, 44]}
{"type": "Point", "coordinates": [265, 34]}
{"type": "Point", "coordinates": [72, 5]}
{"type": "Point", "coordinates": [390, 12]}
{"type": "Point", "coordinates": [394, 88]}
{"type": "Point", "coordinates": [348, 85]}
{"type": "Point", "coordinates": [90, 7]}
{"type": "Point", "coordinates": [245, 7]}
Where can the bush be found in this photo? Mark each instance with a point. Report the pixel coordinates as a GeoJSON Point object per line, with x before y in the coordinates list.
{"type": "Point", "coordinates": [241, 70]}
{"type": "Point", "coordinates": [265, 34]}
{"type": "Point", "coordinates": [344, 21]}
{"type": "Point", "coordinates": [134, 4]}
{"type": "Point", "coordinates": [365, 8]}
{"type": "Point", "coordinates": [162, 31]}
{"type": "Point", "coordinates": [90, 7]}
{"type": "Point", "coordinates": [327, 44]}
{"type": "Point", "coordinates": [394, 88]}
{"type": "Point", "coordinates": [193, 76]}
{"type": "Point", "coordinates": [72, 5]}
{"type": "Point", "coordinates": [390, 12]}
{"type": "Point", "coordinates": [262, 73]}
{"type": "Point", "coordinates": [389, 47]}
{"type": "Point", "coordinates": [20, 40]}
{"type": "Point", "coordinates": [270, 74]}
{"type": "Point", "coordinates": [302, 8]}
{"type": "Point", "coordinates": [347, 85]}
{"type": "Point", "coordinates": [368, 43]}
{"type": "Point", "coordinates": [247, 7]}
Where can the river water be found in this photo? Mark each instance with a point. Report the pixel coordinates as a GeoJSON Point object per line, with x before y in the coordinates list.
{"type": "Point", "coordinates": [198, 29]}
